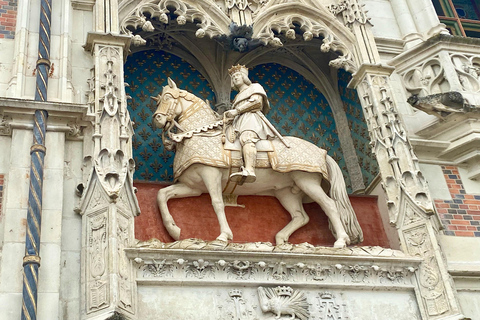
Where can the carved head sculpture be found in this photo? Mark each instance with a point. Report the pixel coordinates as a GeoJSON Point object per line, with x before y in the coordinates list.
{"type": "Point", "coordinates": [239, 75]}
{"type": "Point", "coordinates": [240, 44]}
{"type": "Point", "coordinates": [166, 103]}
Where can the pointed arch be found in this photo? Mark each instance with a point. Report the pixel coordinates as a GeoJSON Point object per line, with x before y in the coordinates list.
{"type": "Point", "coordinates": [313, 21]}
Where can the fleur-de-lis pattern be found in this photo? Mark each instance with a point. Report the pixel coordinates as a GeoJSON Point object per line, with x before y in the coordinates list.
{"type": "Point", "coordinates": [298, 109]}
{"type": "Point", "coordinates": [358, 128]}
{"type": "Point", "coordinates": [147, 72]}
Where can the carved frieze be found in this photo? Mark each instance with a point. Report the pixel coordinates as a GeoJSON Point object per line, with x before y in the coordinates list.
{"type": "Point", "coordinates": [195, 267]}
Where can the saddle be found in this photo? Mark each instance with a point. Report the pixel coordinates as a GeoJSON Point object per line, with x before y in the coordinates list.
{"type": "Point", "coordinates": [232, 144]}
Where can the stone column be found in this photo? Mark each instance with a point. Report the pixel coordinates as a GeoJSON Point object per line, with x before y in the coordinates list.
{"type": "Point", "coordinates": [409, 203]}
{"type": "Point", "coordinates": [108, 204]}
{"type": "Point", "coordinates": [410, 206]}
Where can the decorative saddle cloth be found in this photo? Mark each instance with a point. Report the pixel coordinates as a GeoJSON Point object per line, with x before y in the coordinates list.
{"type": "Point", "coordinates": [302, 155]}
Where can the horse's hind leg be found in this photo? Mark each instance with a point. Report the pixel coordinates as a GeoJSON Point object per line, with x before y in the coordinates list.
{"type": "Point", "coordinates": [212, 178]}
{"type": "Point", "coordinates": [293, 204]}
{"type": "Point", "coordinates": [178, 190]}
{"type": "Point", "coordinates": [310, 183]}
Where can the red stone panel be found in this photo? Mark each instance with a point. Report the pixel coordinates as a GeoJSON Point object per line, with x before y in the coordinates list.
{"type": "Point", "coordinates": [260, 220]}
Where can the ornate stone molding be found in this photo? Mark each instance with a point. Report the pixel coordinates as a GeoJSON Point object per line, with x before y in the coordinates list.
{"type": "Point", "coordinates": [350, 267]}
{"type": "Point", "coordinates": [184, 12]}
{"type": "Point", "coordinates": [310, 28]}
{"type": "Point", "coordinates": [86, 5]}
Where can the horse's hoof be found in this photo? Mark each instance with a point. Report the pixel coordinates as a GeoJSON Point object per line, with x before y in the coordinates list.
{"type": "Point", "coordinates": [340, 243]}
{"type": "Point", "coordinates": [225, 236]}
{"type": "Point", "coordinates": [279, 241]}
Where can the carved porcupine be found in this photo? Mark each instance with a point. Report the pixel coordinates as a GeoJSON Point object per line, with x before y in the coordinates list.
{"type": "Point", "coordinates": [283, 300]}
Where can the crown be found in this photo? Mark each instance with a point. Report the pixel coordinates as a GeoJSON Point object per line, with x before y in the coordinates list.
{"type": "Point", "coordinates": [238, 68]}
{"type": "Point", "coordinates": [235, 293]}
{"type": "Point", "coordinates": [326, 295]}
{"type": "Point", "coordinates": [284, 291]}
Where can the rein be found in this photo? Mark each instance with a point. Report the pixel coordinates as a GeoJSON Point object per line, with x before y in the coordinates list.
{"type": "Point", "coordinates": [197, 105]}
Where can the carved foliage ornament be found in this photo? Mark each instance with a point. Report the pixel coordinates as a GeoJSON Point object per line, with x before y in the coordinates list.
{"type": "Point", "coordinates": [112, 168]}
{"type": "Point", "coordinates": [310, 28]}
{"type": "Point", "coordinates": [244, 270]}
{"type": "Point", "coordinates": [160, 9]}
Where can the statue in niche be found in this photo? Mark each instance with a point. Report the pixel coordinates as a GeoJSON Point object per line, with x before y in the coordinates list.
{"type": "Point", "coordinates": [249, 124]}
{"type": "Point", "coordinates": [291, 169]}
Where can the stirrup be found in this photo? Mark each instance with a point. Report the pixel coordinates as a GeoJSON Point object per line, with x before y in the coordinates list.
{"type": "Point", "coordinates": [243, 176]}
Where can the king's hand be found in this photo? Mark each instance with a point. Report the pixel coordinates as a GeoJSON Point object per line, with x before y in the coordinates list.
{"type": "Point", "coordinates": [231, 113]}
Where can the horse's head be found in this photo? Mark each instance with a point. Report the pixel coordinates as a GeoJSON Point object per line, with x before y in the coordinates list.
{"type": "Point", "coordinates": [168, 107]}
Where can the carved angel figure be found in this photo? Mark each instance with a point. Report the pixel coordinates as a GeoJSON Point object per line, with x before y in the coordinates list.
{"type": "Point", "coordinates": [284, 300]}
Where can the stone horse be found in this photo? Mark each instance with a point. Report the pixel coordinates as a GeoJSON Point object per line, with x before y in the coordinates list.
{"type": "Point", "coordinates": [202, 165]}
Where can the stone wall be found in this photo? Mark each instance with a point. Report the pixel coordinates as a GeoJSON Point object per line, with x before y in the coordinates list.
{"type": "Point", "coordinates": [461, 215]}
{"type": "Point", "coordinates": [8, 19]}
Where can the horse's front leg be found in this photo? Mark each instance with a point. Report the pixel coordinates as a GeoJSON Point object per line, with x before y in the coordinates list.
{"type": "Point", "coordinates": [212, 177]}
{"type": "Point", "coordinates": [178, 190]}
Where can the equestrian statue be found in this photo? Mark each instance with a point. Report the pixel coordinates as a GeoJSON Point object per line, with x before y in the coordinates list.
{"type": "Point", "coordinates": [243, 154]}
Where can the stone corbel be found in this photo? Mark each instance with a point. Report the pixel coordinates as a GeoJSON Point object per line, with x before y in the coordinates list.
{"type": "Point", "coordinates": [442, 105]}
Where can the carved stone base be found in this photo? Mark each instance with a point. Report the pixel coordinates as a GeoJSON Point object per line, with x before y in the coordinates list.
{"type": "Point", "coordinates": [208, 280]}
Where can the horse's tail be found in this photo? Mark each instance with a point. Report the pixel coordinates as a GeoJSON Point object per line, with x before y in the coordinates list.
{"type": "Point", "coordinates": [338, 192]}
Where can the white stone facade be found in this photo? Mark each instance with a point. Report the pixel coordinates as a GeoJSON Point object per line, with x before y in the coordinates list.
{"type": "Point", "coordinates": [91, 265]}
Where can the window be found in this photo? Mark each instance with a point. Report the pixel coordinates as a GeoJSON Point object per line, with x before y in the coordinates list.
{"type": "Point", "coordinates": [462, 17]}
